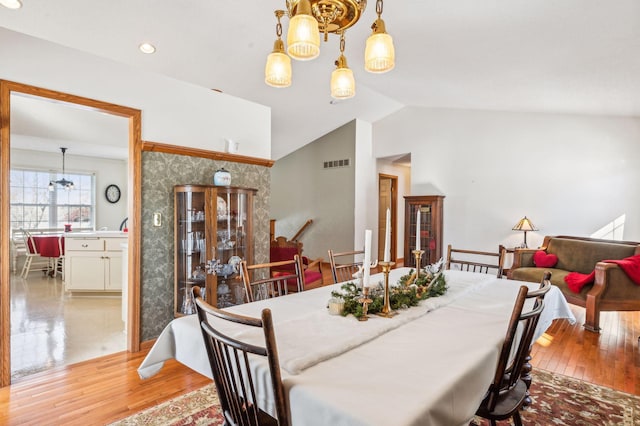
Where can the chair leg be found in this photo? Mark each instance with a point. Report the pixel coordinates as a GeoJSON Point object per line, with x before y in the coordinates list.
{"type": "Point", "coordinates": [517, 421]}
{"type": "Point", "coordinates": [26, 267]}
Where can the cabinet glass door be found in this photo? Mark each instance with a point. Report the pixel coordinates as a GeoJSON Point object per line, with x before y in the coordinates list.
{"type": "Point", "coordinates": [430, 235]}
{"type": "Point", "coordinates": [191, 259]}
{"type": "Point", "coordinates": [427, 241]}
{"type": "Point", "coordinates": [231, 244]}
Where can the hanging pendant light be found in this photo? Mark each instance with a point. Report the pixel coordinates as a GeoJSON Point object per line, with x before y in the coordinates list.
{"type": "Point", "coordinates": [277, 72]}
{"type": "Point", "coordinates": [379, 54]}
{"type": "Point", "coordinates": [66, 184]}
{"type": "Point", "coordinates": [303, 37]}
{"type": "Point", "coordinates": [343, 85]}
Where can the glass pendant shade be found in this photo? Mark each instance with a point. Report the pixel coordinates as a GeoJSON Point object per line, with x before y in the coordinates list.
{"type": "Point", "coordinates": [379, 54]}
{"type": "Point", "coordinates": [277, 72]}
{"type": "Point", "coordinates": [343, 85]}
{"type": "Point", "coordinates": [303, 38]}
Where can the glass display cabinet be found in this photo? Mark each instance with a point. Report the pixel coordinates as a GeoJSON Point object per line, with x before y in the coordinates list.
{"type": "Point", "coordinates": [213, 232]}
{"type": "Point", "coordinates": [430, 207]}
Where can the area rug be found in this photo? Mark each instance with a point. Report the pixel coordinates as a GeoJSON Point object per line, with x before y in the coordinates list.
{"type": "Point", "coordinates": [557, 400]}
{"type": "Point", "coordinates": [564, 401]}
{"type": "Point", "coordinates": [197, 408]}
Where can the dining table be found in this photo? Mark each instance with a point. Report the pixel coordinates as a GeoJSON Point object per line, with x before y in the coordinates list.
{"type": "Point", "coordinates": [428, 365]}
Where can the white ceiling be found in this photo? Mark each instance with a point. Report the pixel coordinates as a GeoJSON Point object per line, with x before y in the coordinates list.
{"type": "Point", "coordinates": [569, 56]}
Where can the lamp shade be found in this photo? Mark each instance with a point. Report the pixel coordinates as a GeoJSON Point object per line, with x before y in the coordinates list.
{"type": "Point", "coordinates": [524, 225]}
{"type": "Point", "coordinates": [277, 71]}
{"type": "Point", "coordinates": [343, 85]}
{"type": "Point", "coordinates": [379, 54]}
{"type": "Point", "coordinates": [303, 37]}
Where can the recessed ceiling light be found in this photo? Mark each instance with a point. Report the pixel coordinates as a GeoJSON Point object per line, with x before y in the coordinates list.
{"type": "Point", "coordinates": [11, 4]}
{"type": "Point", "coordinates": [147, 48]}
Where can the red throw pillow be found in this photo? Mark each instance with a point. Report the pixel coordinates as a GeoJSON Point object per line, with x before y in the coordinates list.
{"type": "Point", "coordinates": [543, 260]}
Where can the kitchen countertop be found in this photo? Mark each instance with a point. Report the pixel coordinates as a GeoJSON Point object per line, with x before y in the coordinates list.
{"type": "Point", "coordinates": [96, 234]}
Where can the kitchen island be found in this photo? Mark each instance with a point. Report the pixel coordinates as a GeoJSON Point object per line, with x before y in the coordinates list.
{"type": "Point", "coordinates": [93, 261]}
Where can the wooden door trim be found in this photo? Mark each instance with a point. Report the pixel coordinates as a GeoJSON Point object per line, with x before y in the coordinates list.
{"type": "Point", "coordinates": [204, 153]}
{"type": "Point", "coordinates": [135, 209]}
{"type": "Point", "coordinates": [394, 212]}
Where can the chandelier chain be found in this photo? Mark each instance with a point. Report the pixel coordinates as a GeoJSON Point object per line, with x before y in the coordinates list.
{"type": "Point", "coordinates": [279, 25]}
{"type": "Point", "coordinates": [379, 7]}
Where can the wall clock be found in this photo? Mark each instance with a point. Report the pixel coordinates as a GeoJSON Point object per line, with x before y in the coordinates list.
{"type": "Point", "coordinates": [112, 193]}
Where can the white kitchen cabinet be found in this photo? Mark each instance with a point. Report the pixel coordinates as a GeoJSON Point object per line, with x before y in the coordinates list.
{"type": "Point", "coordinates": [93, 263]}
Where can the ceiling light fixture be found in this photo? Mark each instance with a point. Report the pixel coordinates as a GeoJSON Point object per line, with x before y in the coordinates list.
{"type": "Point", "coordinates": [66, 184]}
{"type": "Point", "coordinates": [379, 53]}
{"type": "Point", "coordinates": [11, 4]}
{"type": "Point", "coordinates": [147, 48]}
{"type": "Point", "coordinates": [277, 72]}
{"type": "Point", "coordinates": [343, 85]}
{"type": "Point", "coordinates": [309, 18]}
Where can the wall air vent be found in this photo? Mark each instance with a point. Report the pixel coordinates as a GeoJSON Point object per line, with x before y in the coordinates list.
{"type": "Point", "coordinates": [337, 163]}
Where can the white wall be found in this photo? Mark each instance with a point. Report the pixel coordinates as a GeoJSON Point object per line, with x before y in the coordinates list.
{"type": "Point", "coordinates": [570, 174]}
{"type": "Point", "coordinates": [173, 112]}
{"type": "Point", "coordinates": [302, 189]}
{"type": "Point", "coordinates": [106, 172]}
{"type": "Point", "coordinates": [404, 187]}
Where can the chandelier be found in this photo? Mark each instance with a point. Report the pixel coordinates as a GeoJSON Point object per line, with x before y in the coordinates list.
{"type": "Point", "coordinates": [310, 18]}
{"type": "Point", "coordinates": [66, 184]}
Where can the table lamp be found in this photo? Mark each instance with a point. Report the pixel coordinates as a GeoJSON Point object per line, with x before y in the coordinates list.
{"type": "Point", "coordinates": [524, 225]}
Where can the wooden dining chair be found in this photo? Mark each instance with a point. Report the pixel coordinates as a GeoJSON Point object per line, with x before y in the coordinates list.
{"type": "Point", "coordinates": [232, 374]}
{"type": "Point", "coordinates": [343, 265]}
{"type": "Point", "coordinates": [508, 391]}
{"type": "Point", "coordinates": [537, 294]}
{"type": "Point", "coordinates": [475, 261]}
{"type": "Point", "coordinates": [260, 283]}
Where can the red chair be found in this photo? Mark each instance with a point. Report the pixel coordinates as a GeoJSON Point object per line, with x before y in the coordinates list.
{"type": "Point", "coordinates": [283, 249]}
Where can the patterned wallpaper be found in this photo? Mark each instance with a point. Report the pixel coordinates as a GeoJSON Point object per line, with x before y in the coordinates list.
{"type": "Point", "coordinates": [160, 172]}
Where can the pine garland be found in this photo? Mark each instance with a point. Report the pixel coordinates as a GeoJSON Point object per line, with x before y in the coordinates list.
{"type": "Point", "coordinates": [401, 296]}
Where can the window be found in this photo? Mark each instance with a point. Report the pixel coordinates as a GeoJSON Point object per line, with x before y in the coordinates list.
{"type": "Point", "coordinates": [34, 206]}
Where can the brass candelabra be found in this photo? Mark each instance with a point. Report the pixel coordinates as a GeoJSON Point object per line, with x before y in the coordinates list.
{"type": "Point", "coordinates": [386, 311]}
{"type": "Point", "coordinates": [416, 274]}
{"type": "Point", "coordinates": [365, 300]}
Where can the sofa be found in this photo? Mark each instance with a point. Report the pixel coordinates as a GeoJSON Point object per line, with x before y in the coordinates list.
{"type": "Point", "coordinates": [612, 289]}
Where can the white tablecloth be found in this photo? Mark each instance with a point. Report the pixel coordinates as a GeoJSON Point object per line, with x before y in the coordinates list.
{"type": "Point", "coordinates": [431, 370]}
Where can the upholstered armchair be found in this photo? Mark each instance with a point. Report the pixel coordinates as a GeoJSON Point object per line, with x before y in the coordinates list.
{"type": "Point", "coordinates": [283, 249]}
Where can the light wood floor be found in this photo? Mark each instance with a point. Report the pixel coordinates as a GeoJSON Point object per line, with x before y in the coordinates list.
{"type": "Point", "coordinates": [107, 389]}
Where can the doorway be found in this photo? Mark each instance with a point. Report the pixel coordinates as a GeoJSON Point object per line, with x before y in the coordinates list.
{"type": "Point", "coordinates": [387, 199]}
{"type": "Point", "coordinates": [8, 88]}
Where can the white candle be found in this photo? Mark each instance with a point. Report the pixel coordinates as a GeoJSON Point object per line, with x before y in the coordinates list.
{"type": "Point", "coordinates": [366, 264]}
{"type": "Point", "coordinates": [418, 229]}
{"type": "Point", "coordinates": [387, 238]}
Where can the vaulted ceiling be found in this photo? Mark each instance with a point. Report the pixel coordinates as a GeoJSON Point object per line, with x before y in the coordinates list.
{"type": "Point", "coordinates": [570, 56]}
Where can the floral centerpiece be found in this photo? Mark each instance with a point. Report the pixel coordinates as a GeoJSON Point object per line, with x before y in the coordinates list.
{"type": "Point", "coordinates": [429, 283]}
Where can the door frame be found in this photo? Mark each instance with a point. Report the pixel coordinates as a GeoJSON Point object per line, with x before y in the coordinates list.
{"type": "Point", "coordinates": [134, 209]}
{"type": "Point", "coordinates": [394, 213]}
